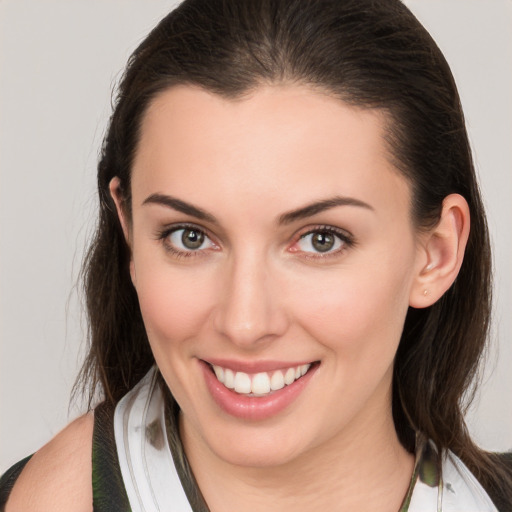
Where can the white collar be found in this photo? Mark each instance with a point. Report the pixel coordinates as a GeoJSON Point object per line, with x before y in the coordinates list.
{"type": "Point", "coordinates": [149, 474]}
{"type": "Point", "coordinates": [453, 489]}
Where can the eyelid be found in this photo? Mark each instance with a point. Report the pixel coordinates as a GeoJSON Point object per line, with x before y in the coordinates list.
{"type": "Point", "coordinates": [342, 233]}
{"type": "Point", "coordinates": [163, 233]}
{"type": "Point", "coordinates": [345, 236]}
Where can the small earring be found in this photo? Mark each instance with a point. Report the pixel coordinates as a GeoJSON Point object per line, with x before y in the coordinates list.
{"type": "Point", "coordinates": [425, 292]}
{"type": "Point", "coordinates": [430, 266]}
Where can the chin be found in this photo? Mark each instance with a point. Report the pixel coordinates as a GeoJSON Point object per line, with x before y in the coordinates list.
{"type": "Point", "coordinates": [262, 454]}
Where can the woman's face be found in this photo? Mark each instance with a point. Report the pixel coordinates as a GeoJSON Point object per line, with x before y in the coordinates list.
{"type": "Point", "coordinates": [273, 249]}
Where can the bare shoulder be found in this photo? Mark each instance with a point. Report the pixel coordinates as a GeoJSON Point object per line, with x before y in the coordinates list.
{"type": "Point", "coordinates": [58, 476]}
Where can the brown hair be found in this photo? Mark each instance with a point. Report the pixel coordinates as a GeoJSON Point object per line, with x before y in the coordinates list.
{"type": "Point", "coordinates": [369, 53]}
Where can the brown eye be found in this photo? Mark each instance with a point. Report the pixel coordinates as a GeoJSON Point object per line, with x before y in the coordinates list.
{"type": "Point", "coordinates": [192, 238]}
{"type": "Point", "coordinates": [323, 241]}
{"type": "Point", "coordinates": [187, 240]}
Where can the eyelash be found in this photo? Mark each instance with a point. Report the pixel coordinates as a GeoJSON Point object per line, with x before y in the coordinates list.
{"type": "Point", "coordinates": [177, 253]}
{"type": "Point", "coordinates": [346, 239]}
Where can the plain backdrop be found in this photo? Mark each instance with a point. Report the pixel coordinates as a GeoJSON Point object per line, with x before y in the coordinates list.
{"type": "Point", "coordinates": [59, 61]}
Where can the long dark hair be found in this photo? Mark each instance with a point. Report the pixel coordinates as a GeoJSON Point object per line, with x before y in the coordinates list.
{"type": "Point", "coordinates": [369, 53]}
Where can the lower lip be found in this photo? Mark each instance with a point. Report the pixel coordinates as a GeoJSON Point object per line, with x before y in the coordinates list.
{"type": "Point", "coordinates": [253, 407]}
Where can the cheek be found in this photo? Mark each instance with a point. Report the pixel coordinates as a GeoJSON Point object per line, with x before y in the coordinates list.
{"type": "Point", "coordinates": [174, 304]}
{"type": "Point", "coordinates": [357, 309]}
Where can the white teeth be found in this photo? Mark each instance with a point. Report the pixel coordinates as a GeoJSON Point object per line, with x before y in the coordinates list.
{"type": "Point", "coordinates": [229, 378]}
{"type": "Point", "coordinates": [219, 372]}
{"type": "Point", "coordinates": [277, 381]}
{"type": "Point", "coordinates": [260, 384]}
{"type": "Point", "coordinates": [289, 376]}
{"type": "Point", "coordinates": [242, 383]}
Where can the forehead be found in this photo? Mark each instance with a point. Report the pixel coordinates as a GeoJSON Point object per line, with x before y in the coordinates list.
{"type": "Point", "coordinates": [285, 141]}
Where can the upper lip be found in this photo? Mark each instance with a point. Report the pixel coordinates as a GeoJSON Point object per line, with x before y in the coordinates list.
{"type": "Point", "coordinates": [255, 366]}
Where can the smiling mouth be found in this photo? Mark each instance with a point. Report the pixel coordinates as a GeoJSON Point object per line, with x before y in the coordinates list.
{"type": "Point", "coordinates": [259, 384]}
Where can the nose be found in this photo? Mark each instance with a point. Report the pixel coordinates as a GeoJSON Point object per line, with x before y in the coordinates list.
{"type": "Point", "coordinates": [250, 312]}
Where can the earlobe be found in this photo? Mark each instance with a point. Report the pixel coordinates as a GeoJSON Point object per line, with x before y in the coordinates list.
{"type": "Point", "coordinates": [117, 197]}
{"type": "Point", "coordinates": [442, 253]}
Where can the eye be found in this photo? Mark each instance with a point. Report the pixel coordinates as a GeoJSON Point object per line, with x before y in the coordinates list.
{"type": "Point", "coordinates": [186, 240]}
{"type": "Point", "coordinates": [319, 241]}
{"type": "Point", "coordinates": [325, 240]}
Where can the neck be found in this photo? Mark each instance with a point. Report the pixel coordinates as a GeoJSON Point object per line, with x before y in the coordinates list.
{"type": "Point", "coordinates": [364, 469]}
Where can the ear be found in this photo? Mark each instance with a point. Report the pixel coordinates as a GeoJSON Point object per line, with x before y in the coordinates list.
{"type": "Point", "coordinates": [117, 195]}
{"type": "Point", "coordinates": [441, 253]}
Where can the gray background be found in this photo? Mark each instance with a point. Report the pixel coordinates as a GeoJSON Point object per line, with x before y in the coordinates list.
{"type": "Point", "coordinates": [58, 63]}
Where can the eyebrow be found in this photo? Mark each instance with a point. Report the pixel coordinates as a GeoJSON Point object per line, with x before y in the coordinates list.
{"type": "Point", "coordinates": [180, 206]}
{"type": "Point", "coordinates": [286, 218]}
{"type": "Point", "coordinates": [321, 206]}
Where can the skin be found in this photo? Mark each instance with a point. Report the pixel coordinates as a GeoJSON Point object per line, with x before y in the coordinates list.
{"type": "Point", "coordinates": [257, 290]}
{"type": "Point", "coordinates": [58, 477]}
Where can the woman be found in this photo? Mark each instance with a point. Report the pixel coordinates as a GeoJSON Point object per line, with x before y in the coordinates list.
{"type": "Point", "coordinates": [291, 229]}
